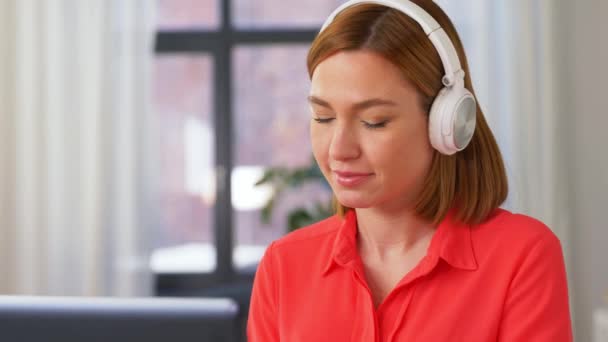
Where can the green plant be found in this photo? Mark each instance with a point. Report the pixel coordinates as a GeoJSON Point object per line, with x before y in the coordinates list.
{"type": "Point", "coordinates": [283, 179]}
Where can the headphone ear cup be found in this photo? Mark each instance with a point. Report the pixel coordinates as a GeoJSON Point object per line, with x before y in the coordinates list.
{"type": "Point", "coordinates": [436, 120]}
{"type": "Point", "coordinates": [464, 122]}
{"type": "Point", "coordinates": [452, 120]}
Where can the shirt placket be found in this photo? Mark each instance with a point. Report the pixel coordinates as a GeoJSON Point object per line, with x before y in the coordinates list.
{"type": "Point", "coordinates": [366, 329]}
{"type": "Point", "coordinates": [391, 314]}
{"type": "Point", "coordinates": [411, 282]}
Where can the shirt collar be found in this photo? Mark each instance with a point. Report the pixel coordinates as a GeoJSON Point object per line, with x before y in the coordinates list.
{"type": "Point", "coordinates": [451, 242]}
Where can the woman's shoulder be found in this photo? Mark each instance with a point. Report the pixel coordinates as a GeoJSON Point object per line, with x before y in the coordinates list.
{"type": "Point", "coordinates": [306, 249]}
{"type": "Point", "coordinates": [507, 232]}
{"type": "Point", "coordinates": [514, 223]}
{"type": "Point", "coordinates": [315, 234]}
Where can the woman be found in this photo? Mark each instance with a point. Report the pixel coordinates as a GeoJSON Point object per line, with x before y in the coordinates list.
{"type": "Point", "coordinates": [419, 249]}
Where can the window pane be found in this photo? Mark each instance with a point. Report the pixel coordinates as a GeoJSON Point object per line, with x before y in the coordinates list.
{"type": "Point", "coordinates": [188, 14]}
{"type": "Point", "coordinates": [183, 101]}
{"type": "Point", "coordinates": [271, 130]}
{"type": "Point", "coordinates": [282, 13]}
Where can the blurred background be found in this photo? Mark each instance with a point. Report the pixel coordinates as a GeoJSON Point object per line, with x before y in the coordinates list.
{"type": "Point", "coordinates": [132, 134]}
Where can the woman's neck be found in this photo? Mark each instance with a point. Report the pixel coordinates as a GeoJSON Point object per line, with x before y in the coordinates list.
{"type": "Point", "coordinates": [385, 236]}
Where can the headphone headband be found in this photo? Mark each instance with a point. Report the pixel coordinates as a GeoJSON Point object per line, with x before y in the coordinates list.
{"type": "Point", "coordinates": [441, 41]}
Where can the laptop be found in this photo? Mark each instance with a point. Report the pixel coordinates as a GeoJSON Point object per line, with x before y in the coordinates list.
{"type": "Point", "coordinates": [72, 319]}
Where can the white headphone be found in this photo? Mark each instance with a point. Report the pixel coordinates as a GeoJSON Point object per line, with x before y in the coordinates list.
{"type": "Point", "coordinates": [452, 117]}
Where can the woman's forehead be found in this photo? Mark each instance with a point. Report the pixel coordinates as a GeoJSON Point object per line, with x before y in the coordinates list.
{"type": "Point", "coordinates": [360, 69]}
{"type": "Point", "coordinates": [359, 76]}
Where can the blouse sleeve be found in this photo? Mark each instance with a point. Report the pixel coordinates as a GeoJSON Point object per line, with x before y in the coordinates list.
{"type": "Point", "coordinates": [262, 320]}
{"type": "Point", "coordinates": [536, 307]}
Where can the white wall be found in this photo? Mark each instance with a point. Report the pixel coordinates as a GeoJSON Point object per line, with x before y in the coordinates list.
{"type": "Point", "coordinates": [583, 59]}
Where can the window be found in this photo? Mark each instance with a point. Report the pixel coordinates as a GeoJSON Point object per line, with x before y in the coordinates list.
{"type": "Point", "coordinates": [230, 92]}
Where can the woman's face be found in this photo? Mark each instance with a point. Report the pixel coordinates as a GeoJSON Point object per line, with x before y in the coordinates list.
{"type": "Point", "coordinates": [369, 131]}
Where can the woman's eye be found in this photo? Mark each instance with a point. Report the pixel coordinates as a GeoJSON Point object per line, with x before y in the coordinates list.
{"type": "Point", "coordinates": [374, 125]}
{"type": "Point", "coordinates": [323, 120]}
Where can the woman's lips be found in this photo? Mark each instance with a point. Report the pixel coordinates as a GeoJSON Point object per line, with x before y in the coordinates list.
{"type": "Point", "coordinates": [351, 179]}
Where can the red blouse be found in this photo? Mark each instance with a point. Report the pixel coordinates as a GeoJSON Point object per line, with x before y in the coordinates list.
{"type": "Point", "coordinates": [502, 280]}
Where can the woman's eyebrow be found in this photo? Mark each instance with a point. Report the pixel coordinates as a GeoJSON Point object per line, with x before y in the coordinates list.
{"type": "Point", "coordinates": [357, 106]}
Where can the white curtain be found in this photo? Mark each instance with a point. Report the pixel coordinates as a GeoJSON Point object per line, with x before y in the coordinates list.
{"type": "Point", "coordinates": [76, 181]}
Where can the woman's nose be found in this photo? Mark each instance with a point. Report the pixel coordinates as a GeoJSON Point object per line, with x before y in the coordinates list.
{"type": "Point", "coordinates": [344, 144]}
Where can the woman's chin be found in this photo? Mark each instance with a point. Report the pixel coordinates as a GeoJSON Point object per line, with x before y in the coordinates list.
{"type": "Point", "coordinates": [354, 201]}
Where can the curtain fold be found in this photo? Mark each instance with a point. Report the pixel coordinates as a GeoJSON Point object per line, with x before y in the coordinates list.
{"type": "Point", "coordinates": [76, 176]}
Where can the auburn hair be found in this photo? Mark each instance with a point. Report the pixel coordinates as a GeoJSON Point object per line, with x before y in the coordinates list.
{"type": "Point", "coordinates": [472, 182]}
